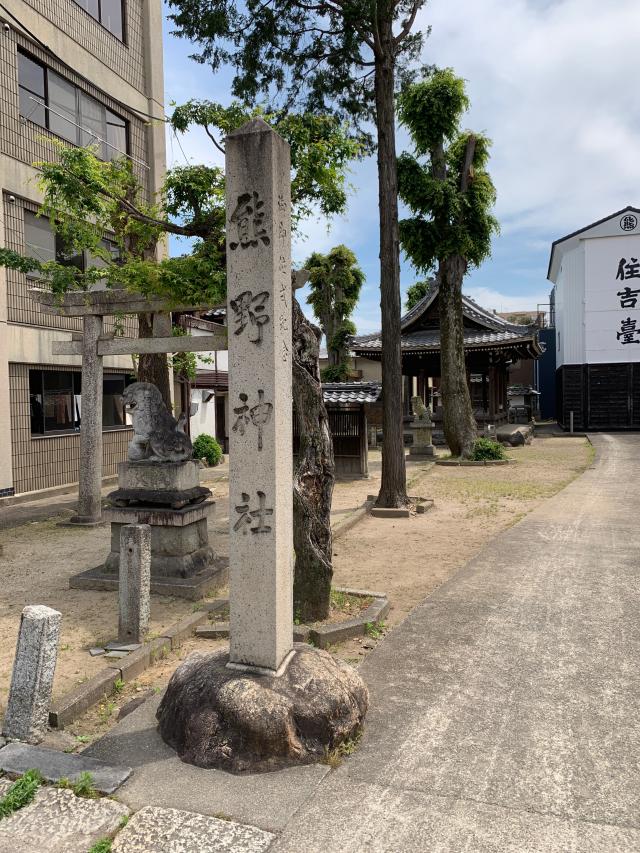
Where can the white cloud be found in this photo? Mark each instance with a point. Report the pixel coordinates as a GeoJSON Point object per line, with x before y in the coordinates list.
{"type": "Point", "coordinates": [555, 87]}
{"type": "Point", "coordinates": [493, 300]}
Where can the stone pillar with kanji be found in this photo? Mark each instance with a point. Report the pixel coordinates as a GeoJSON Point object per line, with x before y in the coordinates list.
{"type": "Point", "coordinates": [265, 703]}
{"type": "Point", "coordinates": [260, 400]}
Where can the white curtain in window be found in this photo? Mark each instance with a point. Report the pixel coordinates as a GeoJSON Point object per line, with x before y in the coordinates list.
{"type": "Point", "coordinates": [92, 120]}
{"type": "Point", "coordinates": [39, 240]}
{"type": "Point", "coordinates": [63, 109]}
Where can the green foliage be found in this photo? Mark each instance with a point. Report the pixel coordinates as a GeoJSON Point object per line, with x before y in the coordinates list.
{"type": "Point", "coordinates": [104, 845]}
{"type": "Point", "coordinates": [317, 56]}
{"type": "Point", "coordinates": [82, 787]}
{"type": "Point", "coordinates": [375, 630]}
{"type": "Point", "coordinates": [206, 447]}
{"type": "Point", "coordinates": [447, 220]}
{"type": "Point", "coordinates": [335, 282]}
{"type": "Point", "coordinates": [432, 110]}
{"type": "Point", "coordinates": [185, 364]}
{"type": "Point", "coordinates": [335, 372]}
{"type": "Point", "coordinates": [195, 194]}
{"type": "Point", "coordinates": [485, 448]}
{"type": "Point", "coordinates": [21, 793]}
{"type": "Point", "coordinates": [322, 146]}
{"type": "Point", "coordinates": [416, 292]}
{"type": "Point", "coordinates": [87, 199]}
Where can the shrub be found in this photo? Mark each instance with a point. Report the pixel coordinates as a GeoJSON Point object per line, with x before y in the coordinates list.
{"type": "Point", "coordinates": [206, 447]}
{"type": "Point", "coordinates": [20, 793]}
{"type": "Point", "coordinates": [485, 448]}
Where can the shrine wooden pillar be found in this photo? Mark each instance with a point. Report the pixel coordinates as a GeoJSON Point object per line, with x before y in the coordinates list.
{"type": "Point", "coordinates": [493, 393]}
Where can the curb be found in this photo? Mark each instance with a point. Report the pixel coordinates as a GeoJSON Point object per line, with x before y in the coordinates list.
{"type": "Point", "coordinates": [329, 635]}
{"type": "Point", "coordinates": [73, 704]}
{"type": "Point", "coordinates": [469, 463]}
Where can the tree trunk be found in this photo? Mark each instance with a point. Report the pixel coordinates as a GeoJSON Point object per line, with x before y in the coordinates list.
{"type": "Point", "coordinates": [393, 489]}
{"type": "Point", "coordinates": [459, 423]}
{"type": "Point", "coordinates": [153, 367]}
{"type": "Point", "coordinates": [313, 479]}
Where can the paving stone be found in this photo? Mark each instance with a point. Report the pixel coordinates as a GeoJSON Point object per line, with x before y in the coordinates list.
{"type": "Point", "coordinates": [114, 655]}
{"type": "Point", "coordinates": [95, 652]}
{"type": "Point", "coordinates": [17, 758]}
{"type": "Point", "coordinates": [122, 647]}
{"type": "Point", "coordinates": [59, 822]}
{"type": "Point", "coordinates": [175, 831]}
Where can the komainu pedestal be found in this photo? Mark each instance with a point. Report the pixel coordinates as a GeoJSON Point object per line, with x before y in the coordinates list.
{"type": "Point", "coordinates": [216, 717]}
{"type": "Point", "coordinates": [168, 497]}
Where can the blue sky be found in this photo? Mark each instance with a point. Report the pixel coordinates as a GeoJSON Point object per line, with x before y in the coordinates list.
{"type": "Point", "coordinates": [552, 82]}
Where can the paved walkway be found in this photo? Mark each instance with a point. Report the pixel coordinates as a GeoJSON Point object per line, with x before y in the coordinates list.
{"type": "Point", "coordinates": [505, 710]}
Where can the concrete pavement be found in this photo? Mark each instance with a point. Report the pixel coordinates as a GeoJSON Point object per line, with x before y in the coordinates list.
{"type": "Point", "coordinates": [505, 710]}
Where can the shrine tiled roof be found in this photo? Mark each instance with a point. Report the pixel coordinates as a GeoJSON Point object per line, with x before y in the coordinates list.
{"type": "Point", "coordinates": [430, 339]}
{"type": "Point", "coordinates": [351, 392]}
{"type": "Point", "coordinates": [496, 331]}
{"type": "Point", "coordinates": [216, 380]}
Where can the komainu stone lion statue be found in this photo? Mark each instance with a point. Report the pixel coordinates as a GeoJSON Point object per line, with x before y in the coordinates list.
{"type": "Point", "coordinates": [156, 435]}
{"type": "Point", "coordinates": [420, 411]}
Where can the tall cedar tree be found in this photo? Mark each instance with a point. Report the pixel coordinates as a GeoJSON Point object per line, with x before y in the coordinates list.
{"type": "Point", "coordinates": [86, 198]}
{"type": "Point", "coordinates": [339, 56]}
{"type": "Point", "coordinates": [451, 196]}
{"type": "Point", "coordinates": [335, 280]}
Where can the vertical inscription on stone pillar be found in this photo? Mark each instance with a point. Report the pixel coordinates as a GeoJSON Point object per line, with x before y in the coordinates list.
{"type": "Point", "coordinates": [260, 453]}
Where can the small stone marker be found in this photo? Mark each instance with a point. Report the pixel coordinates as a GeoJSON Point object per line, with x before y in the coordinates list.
{"type": "Point", "coordinates": [134, 582]}
{"type": "Point", "coordinates": [259, 315]}
{"type": "Point", "coordinates": [33, 670]}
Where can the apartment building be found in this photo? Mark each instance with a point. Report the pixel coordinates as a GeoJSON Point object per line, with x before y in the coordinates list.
{"type": "Point", "coordinates": [84, 72]}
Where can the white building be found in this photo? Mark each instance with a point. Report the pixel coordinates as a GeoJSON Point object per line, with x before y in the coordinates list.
{"type": "Point", "coordinates": [596, 300]}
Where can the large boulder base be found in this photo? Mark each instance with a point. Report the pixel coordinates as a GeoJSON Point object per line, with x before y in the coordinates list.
{"type": "Point", "coordinates": [218, 717]}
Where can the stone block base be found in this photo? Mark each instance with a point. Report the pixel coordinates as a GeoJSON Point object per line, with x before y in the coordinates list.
{"type": "Point", "coordinates": [421, 451]}
{"type": "Point", "coordinates": [208, 581]}
{"type": "Point", "coordinates": [390, 512]}
{"type": "Point", "coordinates": [179, 539]}
{"type": "Point", "coordinates": [246, 722]}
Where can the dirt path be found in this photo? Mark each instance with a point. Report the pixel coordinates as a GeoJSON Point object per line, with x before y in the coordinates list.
{"type": "Point", "coordinates": [404, 558]}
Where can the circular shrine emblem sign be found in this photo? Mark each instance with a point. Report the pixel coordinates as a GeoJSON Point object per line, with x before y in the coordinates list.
{"type": "Point", "coordinates": [628, 222]}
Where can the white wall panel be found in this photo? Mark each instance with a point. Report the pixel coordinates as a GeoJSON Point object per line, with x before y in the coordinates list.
{"type": "Point", "coordinates": [612, 321]}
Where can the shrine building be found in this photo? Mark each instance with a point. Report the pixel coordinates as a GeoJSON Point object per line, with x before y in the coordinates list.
{"type": "Point", "coordinates": [491, 346]}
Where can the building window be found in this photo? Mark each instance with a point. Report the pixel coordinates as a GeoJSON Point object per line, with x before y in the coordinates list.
{"type": "Point", "coordinates": [52, 102]}
{"type": "Point", "coordinates": [109, 13]}
{"type": "Point", "coordinates": [41, 243]}
{"type": "Point", "coordinates": [55, 399]}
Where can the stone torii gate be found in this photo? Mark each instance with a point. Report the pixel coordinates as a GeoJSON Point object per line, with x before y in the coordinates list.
{"type": "Point", "coordinates": [93, 307]}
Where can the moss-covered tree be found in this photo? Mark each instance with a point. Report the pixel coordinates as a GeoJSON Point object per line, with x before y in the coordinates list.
{"type": "Point", "coordinates": [449, 192]}
{"type": "Point", "coordinates": [336, 281]}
